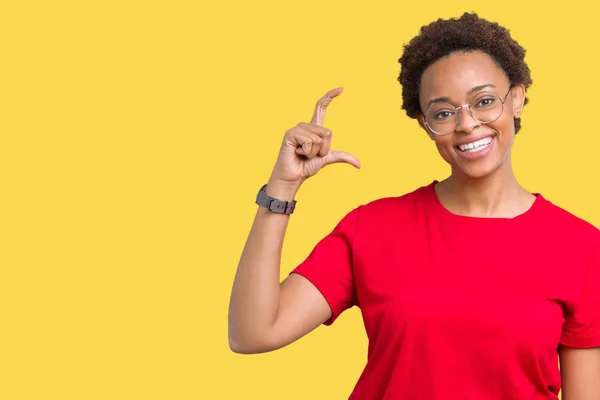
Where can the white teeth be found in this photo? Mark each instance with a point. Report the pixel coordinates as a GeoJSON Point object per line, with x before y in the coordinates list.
{"type": "Point", "coordinates": [476, 146]}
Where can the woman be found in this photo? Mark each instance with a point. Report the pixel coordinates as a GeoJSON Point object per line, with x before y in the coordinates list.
{"type": "Point", "coordinates": [471, 287]}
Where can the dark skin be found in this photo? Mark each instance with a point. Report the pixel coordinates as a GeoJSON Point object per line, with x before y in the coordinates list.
{"type": "Point", "coordinates": [487, 186]}
{"type": "Point", "coordinates": [265, 315]}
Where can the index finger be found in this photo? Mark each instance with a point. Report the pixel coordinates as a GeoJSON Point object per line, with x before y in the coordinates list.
{"type": "Point", "coordinates": [322, 104]}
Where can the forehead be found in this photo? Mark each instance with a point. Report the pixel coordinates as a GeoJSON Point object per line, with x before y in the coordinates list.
{"type": "Point", "coordinates": [454, 75]}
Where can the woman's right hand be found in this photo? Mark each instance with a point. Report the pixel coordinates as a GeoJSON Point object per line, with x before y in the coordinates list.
{"type": "Point", "coordinates": [306, 148]}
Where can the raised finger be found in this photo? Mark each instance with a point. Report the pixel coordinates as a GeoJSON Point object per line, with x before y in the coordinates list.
{"type": "Point", "coordinates": [322, 104]}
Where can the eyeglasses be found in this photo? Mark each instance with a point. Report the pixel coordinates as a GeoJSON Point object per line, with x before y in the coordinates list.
{"type": "Point", "coordinates": [486, 107]}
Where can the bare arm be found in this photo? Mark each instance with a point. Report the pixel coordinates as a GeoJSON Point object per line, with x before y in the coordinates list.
{"type": "Point", "coordinates": [265, 314]}
{"type": "Point", "coordinates": [580, 372]}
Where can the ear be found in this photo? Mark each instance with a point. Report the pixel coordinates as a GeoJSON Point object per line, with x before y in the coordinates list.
{"type": "Point", "coordinates": [518, 95]}
{"type": "Point", "coordinates": [421, 120]}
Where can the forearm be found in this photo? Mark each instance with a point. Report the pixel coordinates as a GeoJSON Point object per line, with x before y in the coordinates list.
{"type": "Point", "coordinates": [255, 294]}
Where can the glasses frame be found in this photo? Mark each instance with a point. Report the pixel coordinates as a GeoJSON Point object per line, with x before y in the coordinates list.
{"type": "Point", "coordinates": [470, 110]}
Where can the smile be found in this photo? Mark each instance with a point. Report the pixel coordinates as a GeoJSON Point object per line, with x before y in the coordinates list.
{"type": "Point", "coordinates": [476, 146]}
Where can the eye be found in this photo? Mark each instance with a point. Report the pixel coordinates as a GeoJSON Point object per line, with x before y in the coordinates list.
{"type": "Point", "coordinates": [485, 102]}
{"type": "Point", "coordinates": [442, 115]}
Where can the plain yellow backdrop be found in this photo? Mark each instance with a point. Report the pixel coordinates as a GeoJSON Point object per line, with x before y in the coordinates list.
{"type": "Point", "coordinates": [135, 135]}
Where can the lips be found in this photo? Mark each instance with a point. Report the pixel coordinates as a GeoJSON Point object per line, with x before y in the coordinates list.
{"type": "Point", "coordinates": [473, 139]}
{"type": "Point", "coordinates": [475, 145]}
{"type": "Point", "coordinates": [474, 148]}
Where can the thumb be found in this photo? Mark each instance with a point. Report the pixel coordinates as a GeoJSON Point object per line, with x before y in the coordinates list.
{"type": "Point", "coordinates": [334, 156]}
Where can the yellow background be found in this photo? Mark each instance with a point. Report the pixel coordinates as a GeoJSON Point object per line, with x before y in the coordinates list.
{"type": "Point", "coordinates": [135, 134]}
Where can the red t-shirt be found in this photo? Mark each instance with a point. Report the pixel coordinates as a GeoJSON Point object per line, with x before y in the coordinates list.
{"type": "Point", "coordinates": [460, 307]}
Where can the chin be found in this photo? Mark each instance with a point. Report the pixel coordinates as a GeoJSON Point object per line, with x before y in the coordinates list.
{"type": "Point", "coordinates": [475, 172]}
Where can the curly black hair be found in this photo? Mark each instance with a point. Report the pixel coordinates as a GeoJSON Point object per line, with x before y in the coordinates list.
{"type": "Point", "coordinates": [467, 33]}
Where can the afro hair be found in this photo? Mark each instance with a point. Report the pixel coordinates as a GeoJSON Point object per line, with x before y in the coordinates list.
{"type": "Point", "coordinates": [467, 33]}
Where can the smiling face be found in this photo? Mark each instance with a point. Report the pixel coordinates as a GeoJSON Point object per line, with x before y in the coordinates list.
{"type": "Point", "coordinates": [472, 149]}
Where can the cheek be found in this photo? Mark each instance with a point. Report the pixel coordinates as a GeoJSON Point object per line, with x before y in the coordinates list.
{"type": "Point", "coordinates": [444, 147]}
{"type": "Point", "coordinates": [506, 123]}
{"type": "Point", "coordinates": [506, 130]}
{"type": "Point", "coordinates": [443, 142]}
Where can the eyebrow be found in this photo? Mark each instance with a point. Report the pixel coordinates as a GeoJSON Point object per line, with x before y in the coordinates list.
{"type": "Point", "coordinates": [446, 99]}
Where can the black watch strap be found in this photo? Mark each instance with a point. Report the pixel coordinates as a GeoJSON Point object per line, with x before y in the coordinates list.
{"type": "Point", "coordinates": [273, 204]}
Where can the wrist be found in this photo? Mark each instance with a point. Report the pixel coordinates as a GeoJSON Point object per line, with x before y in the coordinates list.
{"type": "Point", "coordinates": [282, 190]}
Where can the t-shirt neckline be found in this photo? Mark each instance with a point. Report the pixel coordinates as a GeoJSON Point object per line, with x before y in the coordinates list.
{"type": "Point", "coordinates": [443, 212]}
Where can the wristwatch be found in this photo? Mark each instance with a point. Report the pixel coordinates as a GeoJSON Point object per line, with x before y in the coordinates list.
{"type": "Point", "coordinates": [273, 204]}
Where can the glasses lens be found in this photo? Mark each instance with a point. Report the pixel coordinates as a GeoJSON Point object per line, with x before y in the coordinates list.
{"type": "Point", "coordinates": [487, 107]}
{"type": "Point", "coordinates": [441, 118]}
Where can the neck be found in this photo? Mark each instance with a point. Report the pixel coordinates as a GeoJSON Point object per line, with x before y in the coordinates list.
{"type": "Point", "coordinates": [496, 195]}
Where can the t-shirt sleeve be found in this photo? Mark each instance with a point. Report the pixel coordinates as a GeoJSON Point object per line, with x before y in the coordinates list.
{"type": "Point", "coordinates": [329, 266]}
{"type": "Point", "coordinates": [582, 322]}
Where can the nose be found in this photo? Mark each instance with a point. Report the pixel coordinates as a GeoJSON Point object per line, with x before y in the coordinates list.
{"type": "Point", "coordinates": [466, 121]}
